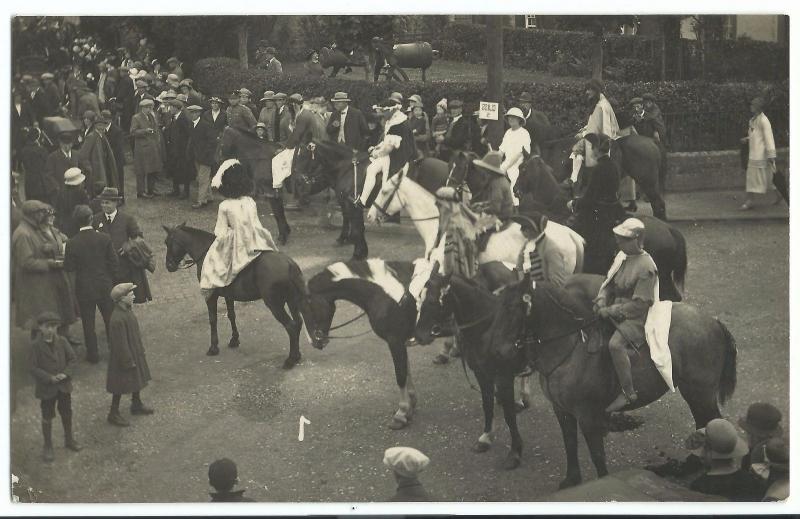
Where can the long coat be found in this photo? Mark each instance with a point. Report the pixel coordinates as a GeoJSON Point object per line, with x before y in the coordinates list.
{"type": "Point", "coordinates": [123, 228]}
{"type": "Point", "coordinates": [46, 360]}
{"type": "Point", "coordinates": [98, 162]}
{"type": "Point", "coordinates": [116, 138]}
{"type": "Point", "coordinates": [38, 184]}
{"type": "Point", "coordinates": [148, 151]}
{"type": "Point", "coordinates": [127, 366]}
{"type": "Point", "coordinates": [91, 256]}
{"type": "Point", "coordinates": [177, 135]}
{"type": "Point", "coordinates": [57, 164]}
{"type": "Point", "coordinates": [38, 288]}
{"type": "Point", "coordinates": [69, 198]}
{"type": "Point", "coordinates": [19, 120]}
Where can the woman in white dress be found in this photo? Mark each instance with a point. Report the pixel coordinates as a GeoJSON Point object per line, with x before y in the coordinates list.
{"type": "Point", "coordinates": [240, 237]}
{"type": "Point", "coordinates": [761, 161]}
{"type": "Point", "coordinates": [515, 140]}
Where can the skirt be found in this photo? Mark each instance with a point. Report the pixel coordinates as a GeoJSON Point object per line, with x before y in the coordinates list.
{"type": "Point", "coordinates": [759, 179]}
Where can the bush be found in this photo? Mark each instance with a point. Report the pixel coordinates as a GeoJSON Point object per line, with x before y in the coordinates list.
{"type": "Point", "coordinates": [564, 103]}
{"type": "Point", "coordinates": [626, 70]}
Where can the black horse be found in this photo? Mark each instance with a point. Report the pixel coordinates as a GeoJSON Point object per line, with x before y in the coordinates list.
{"type": "Point", "coordinates": [380, 289]}
{"type": "Point", "coordinates": [272, 277]}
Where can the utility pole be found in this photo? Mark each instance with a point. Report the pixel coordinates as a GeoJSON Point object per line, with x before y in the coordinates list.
{"type": "Point", "coordinates": [494, 75]}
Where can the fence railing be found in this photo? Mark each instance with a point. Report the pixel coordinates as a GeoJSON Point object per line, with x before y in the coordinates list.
{"type": "Point", "coordinates": [720, 130]}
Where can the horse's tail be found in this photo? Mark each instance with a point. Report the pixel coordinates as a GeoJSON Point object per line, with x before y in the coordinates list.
{"type": "Point", "coordinates": [679, 272]}
{"type": "Point", "coordinates": [302, 296]}
{"type": "Point", "coordinates": [727, 381]}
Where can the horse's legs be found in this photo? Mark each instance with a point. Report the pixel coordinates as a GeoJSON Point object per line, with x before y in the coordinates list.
{"type": "Point", "coordinates": [593, 434]}
{"type": "Point", "coordinates": [211, 304]}
{"type": "Point", "coordinates": [344, 236]}
{"type": "Point", "coordinates": [412, 391]}
{"type": "Point", "coordinates": [291, 327]}
{"type": "Point", "coordinates": [702, 402]}
{"type": "Point", "coordinates": [400, 358]}
{"type": "Point", "coordinates": [487, 400]}
{"type": "Point", "coordinates": [666, 287]}
{"type": "Point", "coordinates": [505, 390]}
{"type": "Point", "coordinates": [276, 204]}
{"type": "Point", "coordinates": [569, 431]}
{"type": "Point", "coordinates": [656, 201]}
{"type": "Point", "coordinates": [524, 400]}
{"type": "Point", "coordinates": [357, 234]}
{"type": "Point", "coordinates": [234, 342]}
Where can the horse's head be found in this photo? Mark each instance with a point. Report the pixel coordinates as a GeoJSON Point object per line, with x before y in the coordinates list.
{"type": "Point", "coordinates": [318, 315]}
{"type": "Point", "coordinates": [388, 201]}
{"type": "Point", "coordinates": [177, 246]}
{"type": "Point", "coordinates": [460, 166]}
{"type": "Point", "coordinates": [512, 323]}
{"type": "Point", "coordinates": [434, 307]}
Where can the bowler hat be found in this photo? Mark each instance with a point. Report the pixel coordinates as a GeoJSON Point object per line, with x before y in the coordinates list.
{"type": "Point", "coordinates": [121, 290]}
{"type": "Point", "coordinates": [341, 96]}
{"type": "Point", "coordinates": [73, 177]}
{"type": "Point", "coordinates": [47, 317]}
{"type": "Point", "coordinates": [109, 193]}
{"type": "Point", "coordinates": [491, 161]}
{"type": "Point", "coordinates": [762, 419]}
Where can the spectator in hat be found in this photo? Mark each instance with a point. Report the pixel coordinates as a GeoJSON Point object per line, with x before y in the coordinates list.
{"type": "Point", "coordinates": [775, 469]}
{"type": "Point", "coordinates": [128, 372]}
{"type": "Point", "coordinates": [37, 268]}
{"type": "Point", "coordinates": [217, 118]}
{"type": "Point", "coordinates": [39, 102]}
{"type": "Point", "coordinates": [71, 195]}
{"type": "Point", "coordinates": [193, 96]}
{"type": "Point", "coordinates": [238, 115]}
{"type": "Point", "coordinates": [173, 82]}
{"type": "Point", "coordinates": [106, 84]}
{"type": "Point", "coordinates": [406, 464]}
{"type": "Point", "coordinates": [246, 99]}
{"type": "Point", "coordinates": [39, 185]}
{"type": "Point", "coordinates": [148, 152]}
{"type": "Point", "coordinates": [174, 68]}
{"type": "Point", "coordinates": [312, 66]}
{"type": "Point", "coordinates": [261, 131]}
{"type": "Point", "coordinates": [116, 138]}
{"type": "Point", "coordinates": [141, 92]}
{"type": "Point", "coordinates": [177, 139]}
{"type": "Point", "coordinates": [318, 106]}
{"type": "Point", "coordinates": [61, 159]}
{"type": "Point", "coordinates": [301, 135]}
{"type": "Point", "coordinates": [494, 196]}
{"type": "Point", "coordinates": [223, 476]}
{"type": "Point", "coordinates": [88, 118]}
{"type": "Point", "coordinates": [439, 125]}
{"type": "Point", "coordinates": [397, 96]}
{"type": "Point", "coordinates": [87, 100]}
{"type": "Point", "coordinates": [50, 362]}
{"type": "Point", "coordinates": [463, 134]}
{"type": "Point", "coordinates": [268, 114]}
{"type": "Point", "coordinates": [761, 423]}
{"type": "Point", "coordinates": [515, 144]}
{"type": "Point", "coordinates": [51, 95]}
{"type": "Point", "coordinates": [200, 151]}
{"type": "Point", "coordinates": [91, 256]}
{"type": "Point", "coordinates": [420, 125]}
{"type": "Point", "coordinates": [271, 64]}
{"type": "Point", "coordinates": [536, 122]}
{"type": "Point", "coordinates": [124, 98]}
{"type": "Point", "coordinates": [22, 117]}
{"type": "Point", "coordinates": [96, 158]}
{"type": "Point", "coordinates": [721, 450]}
{"type": "Point", "coordinates": [347, 124]}
{"type": "Point", "coordinates": [122, 228]}
{"type": "Point", "coordinates": [284, 118]}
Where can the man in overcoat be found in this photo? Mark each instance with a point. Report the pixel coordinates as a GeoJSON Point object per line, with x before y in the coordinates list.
{"type": "Point", "coordinates": [91, 256]}
{"type": "Point", "coordinates": [116, 138]}
{"type": "Point", "coordinates": [200, 151]}
{"type": "Point", "coordinates": [148, 153]}
{"type": "Point", "coordinates": [128, 371]}
{"type": "Point", "coordinates": [347, 124]}
{"type": "Point", "coordinates": [96, 159]}
{"type": "Point", "coordinates": [463, 133]}
{"type": "Point", "coordinates": [62, 159]}
{"type": "Point", "coordinates": [178, 132]}
{"type": "Point", "coordinates": [122, 227]}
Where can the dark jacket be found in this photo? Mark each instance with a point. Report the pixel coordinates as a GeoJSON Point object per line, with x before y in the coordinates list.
{"type": "Point", "coordinates": [149, 151]}
{"type": "Point", "coordinates": [495, 197]}
{"type": "Point", "coordinates": [66, 201]}
{"type": "Point", "coordinates": [128, 371]}
{"type": "Point", "coordinates": [58, 164]}
{"type": "Point", "coordinates": [40, 105]}
{"type": "Point", "coordinates": [48, 359]}
{"type": "Point", "coordinates": [301, 135]}
{"type": "Point", "coordinates": [177, 137]}
{"type": "Point", "coordinates": [355, 128]}
{"type": "Point", "coordinates": [116, 138]}
{"type": "Point", "coordinates": [738, 486]}
{"type": "Point", "coordinates": [38, 184]}
{"type": "Point", "coordinates": [219, 124]}
{"type": "Point", "coordinates": [406, 152]}
{"type": "Point", "coordinates": [98, 163]}
{"type": "Point", "coordinates": [120, 230]}
{"type": "Point", "coordinates": [602, 186]}
{"type": "Point", "coordinates": [464, 134]}
{"type": "Point", "coordinates": [125, 101]}
{"type": "Point", "coordinates": [92, 257]}
{"type": "Point", "coordinates": [202, 143]}
{"type": "Point", "coordinates": [19, 120]}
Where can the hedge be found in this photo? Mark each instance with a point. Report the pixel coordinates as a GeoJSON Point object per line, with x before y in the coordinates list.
{"type": "Point", "coordinates": [564, 103]}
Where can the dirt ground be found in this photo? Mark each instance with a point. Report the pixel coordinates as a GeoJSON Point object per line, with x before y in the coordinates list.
{"type": "Point", "coordinates": [242, 405]}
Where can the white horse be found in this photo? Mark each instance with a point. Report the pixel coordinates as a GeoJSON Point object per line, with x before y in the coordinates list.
{"type": "Point", "coordinates": [401, 192]}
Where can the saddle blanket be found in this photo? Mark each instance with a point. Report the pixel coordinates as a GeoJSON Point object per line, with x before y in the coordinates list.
{"type": "Point", "coordinates": [282, 167]}
{"type": "Point", "coordinates": [656, 330]}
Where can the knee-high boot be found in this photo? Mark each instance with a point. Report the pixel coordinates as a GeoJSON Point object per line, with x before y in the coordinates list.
{"type": "Point", "coordinates": [622, 365]}
{"type": "Point", "coordinates": [47, 432]}
{"type": "Point", "coordinates": [69, 439]}
{"type": "Point", "coordinates": [276, 204]}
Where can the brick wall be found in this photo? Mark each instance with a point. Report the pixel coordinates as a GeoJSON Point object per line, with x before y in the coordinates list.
{"type": "Point", "coordinates": [706, 170]}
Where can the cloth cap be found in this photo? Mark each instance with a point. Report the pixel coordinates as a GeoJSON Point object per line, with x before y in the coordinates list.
{"type": "Point", "coordinates": [268, 95]}
{"type": "Point", "coordinates": [146, 102]}
{"type": "Point", "coordinates": [47, 317]}
{"type": "Point", "coordinates": [173, 78]}
{"type": "Point", "coordinates": [121, 290]}
{"type": "Point", "coordinates": [222, 473]}
{"type": "Point", "coordinates": [721, 441]}
{"type": "Point", "coordinates": [73, 177]}
{"type": "Point", "coordinates": [31, 207]}
{"type": "Point", "coordinates": [525, 97]}
{"type": "Point", "coordinates": [280, 96]}
{"type": "Point", "coordinates": [491, 161]}
{"type": "Point", "coordinates": [456, 103]}
{"type": "Point", "coordinates": [630, 228]}
{"type": "Point", "coordinates": [140, 83]}
{"type": "Point", "coordinates": [516, 112]}
{"type": "Point", "coordinates": [106, 114]}
{"type": "Point", "coordinates": [406, 461]}
{"type": "Point", "coordinates": [341, 96]}
{"type": "Point", "coordinates": [636, 101]}
{"type": "Point", "coordinates": [109, 193]}
{"type": "Point", "coordinates": [762, 419]}
{"type": "Point", "coordinates": [296, 98]}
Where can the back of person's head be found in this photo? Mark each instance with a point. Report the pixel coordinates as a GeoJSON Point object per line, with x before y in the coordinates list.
{"type": "Point", "coordinates": [222, 475]}
{"type": "Point", "coordinates": [82, 214]}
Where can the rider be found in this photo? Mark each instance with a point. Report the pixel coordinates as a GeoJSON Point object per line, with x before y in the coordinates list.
{"type": "Point", "coordinates": [493, 191]}
{"type": "Point", "coordinates": [602, 121]}
{"type": "Point", "coordinates": [240, 237]}
{"type": "Point", "coordinates": [302, 135]}
{"type": "Point", "coordinates": [625, 298]}
{"type": "Point", "coordinates": [516, 140]}
{"type": "Point", "coordinates": [393, 153]}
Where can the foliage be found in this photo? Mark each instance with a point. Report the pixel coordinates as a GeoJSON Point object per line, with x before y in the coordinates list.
{"type": "Point", "coordinates": [630, 69]}
{"type": "Point", "coordinates": [350, 31]}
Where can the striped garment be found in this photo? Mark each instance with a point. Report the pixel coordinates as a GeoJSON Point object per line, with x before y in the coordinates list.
{"type": "Point", "coordinates": [532, 261]}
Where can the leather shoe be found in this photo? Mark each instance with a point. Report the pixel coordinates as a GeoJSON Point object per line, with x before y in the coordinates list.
{"type": "Point", "coordinates": [118, 420]}
{"type": "Point", "coordinates": [621, 402]}
{"type": "Point", "coordinates": [141, 409]}
{"type": "Point", "coordinates": [72, 445]}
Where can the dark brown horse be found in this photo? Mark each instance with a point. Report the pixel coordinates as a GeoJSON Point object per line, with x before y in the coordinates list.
{"type": "Point", "coordinates": [555, 329]}
{"type": "Point", "coordinates": [540, 192]}
{"type": "Point", "coordinates": [272, 277]}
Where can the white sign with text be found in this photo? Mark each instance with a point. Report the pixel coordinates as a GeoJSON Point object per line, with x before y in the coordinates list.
{"type": "Point", "coordinates": [489, 110]}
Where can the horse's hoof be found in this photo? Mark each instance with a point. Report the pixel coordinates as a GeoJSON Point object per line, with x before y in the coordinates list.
{"type": "Point", "coordinates": [290, 362]}
{"type": "Point", "coordinates": [212, 351]}
{"type": "Point", "coordinates": [234, 343]}
{"type": "Point", "coordinates": [481, 447]}
{"type": "Point", "coordinates": [512, 461]}
{"type": "Point", "coordinates": [569, 482]}
{"type": "Point", "coordinates": [396, 424]}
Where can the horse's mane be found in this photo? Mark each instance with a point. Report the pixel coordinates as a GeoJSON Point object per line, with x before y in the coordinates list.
{"type": "Point", "coordinates": [566, 302]}
{"type": "Point", "coordinates": [200, 233]}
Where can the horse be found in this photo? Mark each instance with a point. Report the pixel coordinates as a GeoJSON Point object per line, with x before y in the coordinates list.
{"type": "Point", "coordinates": [272, 277]}
{"type": "Point", "coordinates": [473, 307]}
{"type": "Point", "coordinates": [345, 171]}
{"type": "Point", "coordinates": [558, 331]}
{"type": "Point", "coordinates": [541, 192]}
{"type": "Point", "coordinates": [401, 192]}
{"type": "Point", "coordinates": [636, 155]}
{"type": "Point", "coordinates": [378, 287]}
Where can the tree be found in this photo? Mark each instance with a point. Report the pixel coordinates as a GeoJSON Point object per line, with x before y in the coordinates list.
{"type": "Point", "coordinates": [707, 29]}
{"type": "Point", "coordinates": [494, 73]}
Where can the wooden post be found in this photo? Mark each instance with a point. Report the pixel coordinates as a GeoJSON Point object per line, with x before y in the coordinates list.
{"type": "Point", "coordinates": [494, 75]}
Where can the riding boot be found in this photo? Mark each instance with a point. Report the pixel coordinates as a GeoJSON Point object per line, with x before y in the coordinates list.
{"type": "Point", "coordinates": [69, 439]}
{"type": "Point", "coordinates": [276, 203]}
{"type": "Point", "coordinates": [47, 432]}
{"type": "Point", "coordinates": [622, 365]}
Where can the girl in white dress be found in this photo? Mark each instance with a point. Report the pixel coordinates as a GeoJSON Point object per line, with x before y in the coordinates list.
{"type": "Point", "coordinates": [761, 161]}
{"type": "Point", "coordinates": [515, 140]}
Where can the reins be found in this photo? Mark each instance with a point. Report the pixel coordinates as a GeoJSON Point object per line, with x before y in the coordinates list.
{"type": "Point", "coordinates": [342, 325]}
{"type": "Point", "coordinates": [396, 193]}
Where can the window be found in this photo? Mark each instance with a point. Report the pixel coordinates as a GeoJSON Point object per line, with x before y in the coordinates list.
{"type": "Point", "coordinates": [530, 21]}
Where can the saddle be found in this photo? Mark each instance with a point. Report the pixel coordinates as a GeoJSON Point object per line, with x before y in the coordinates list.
{"type": "Point", "coordinates": [485, 233]}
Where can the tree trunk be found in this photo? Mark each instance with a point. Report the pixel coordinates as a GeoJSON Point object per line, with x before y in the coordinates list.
{"type": "Point", "coordinates": [242, 32]}
{"type": "Point", "coordinates": [494, 74]}
{"type": "Point", "coordinates": [597, 53]}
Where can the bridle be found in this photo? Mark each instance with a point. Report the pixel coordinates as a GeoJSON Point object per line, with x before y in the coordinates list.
{"type": "Point", "coordinates": [183, 263]}
{"type": "Point", "coordinates": [395, 183]}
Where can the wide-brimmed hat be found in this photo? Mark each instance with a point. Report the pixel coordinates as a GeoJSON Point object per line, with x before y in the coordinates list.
{"type": "Point", "coordinates": [762, 419]}
{"type": "Point", "coordinates": [719, 441]}
{"type": "Point", "coordinates": [73, 177]}
{"type": "Point", "coordinates": [491, 161]}
{"type": "Point", "coordinates": [405, 461]}
{"type": "Point", "coordinates": [397, 96]}
{"type": "Point", "coordinates": [109, 193]}
{"type": "Point", "coordinates": [341, 96]}
{"type": "Point", "coordinates": [415, 100]}
{"type": "Point", "coordinates": [387, 105]}
{"type": "Point", "coordinates": [630, 228]}
{"type": "Point", "coordinates": [121, 290]}
{"type": "Point", "coordinates": [525, 97]}
{"type": "Point", "coordinates": [194, 108]}
{"type": "Point", "coordinates": [47, 317]}
{"type": "Point", "coordinates": [269, 95]}
{"type": "Point", "coordinates": [636, 101]}
{"type": "Point", "coordinates": [516, 112]}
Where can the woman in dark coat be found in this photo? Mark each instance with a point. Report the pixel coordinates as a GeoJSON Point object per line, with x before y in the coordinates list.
{"type": "Point", "coordinates": [127, 365]}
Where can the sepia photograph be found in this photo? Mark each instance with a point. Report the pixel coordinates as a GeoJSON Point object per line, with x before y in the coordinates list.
{"type": "Point", "coordinates": [398, 258]}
